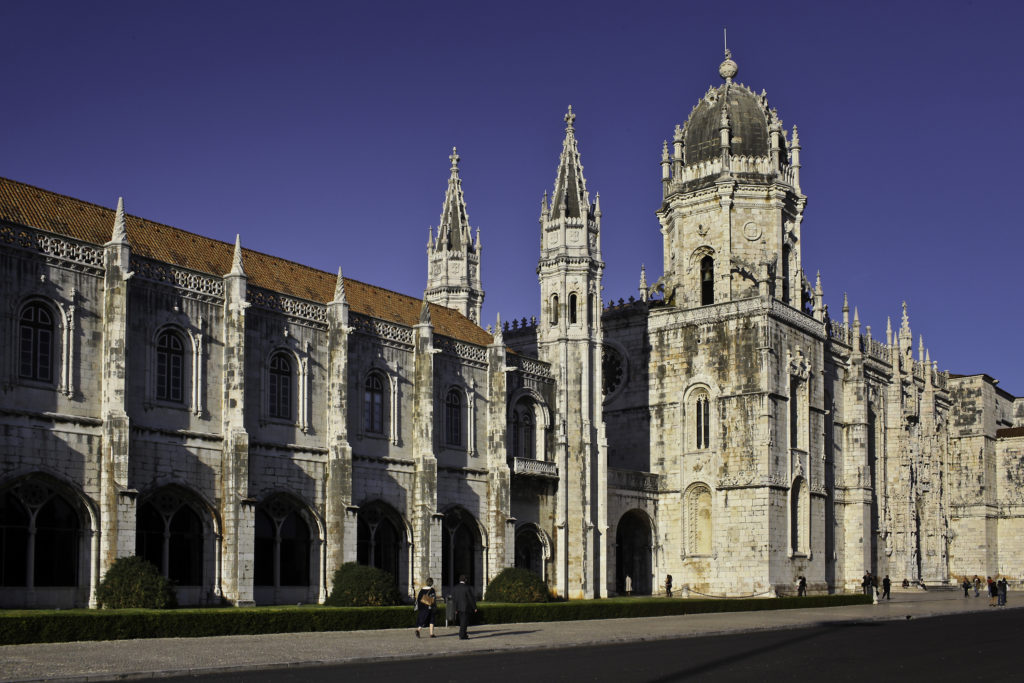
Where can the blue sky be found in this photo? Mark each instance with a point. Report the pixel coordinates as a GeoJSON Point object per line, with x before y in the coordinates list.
{"type": "Point", "coordinates": [321, 133]}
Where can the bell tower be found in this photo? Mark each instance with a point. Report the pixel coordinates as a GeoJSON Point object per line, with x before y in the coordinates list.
{"type": "Point", "coordinates": [453, 260]}
{"type": "Point", "coordinates": [569, 338]}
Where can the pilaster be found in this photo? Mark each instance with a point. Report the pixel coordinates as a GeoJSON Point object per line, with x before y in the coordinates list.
{"type": "Point", "coordinates": [338, 487]}
{"type": "Point", "coordinates": [424, 504]}
{"type": "Point", "coordinates": [502, 540]}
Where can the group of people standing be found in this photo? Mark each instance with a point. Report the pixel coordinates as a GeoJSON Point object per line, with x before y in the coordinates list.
{"type": "Point", "coordinates": [459, 605]}
{"type": "Point", "coordinates": [870, 586]}
{"type": "Point", "coordinates": [996, 589]}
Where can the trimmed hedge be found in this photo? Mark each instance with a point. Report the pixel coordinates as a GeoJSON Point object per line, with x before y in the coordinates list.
{"type": "Point", "coordinates": [517, 585]}
{"type": "Point", "coordinates": [32, 626]}
{"type": "Point", "coordinates": [356, 585]}
{"type": "Point", "coordinates": [133, 582]}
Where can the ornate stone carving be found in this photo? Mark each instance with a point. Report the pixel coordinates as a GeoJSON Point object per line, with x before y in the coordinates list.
{"type": "Point", "coordinates": [60, 248]}
{"type": "Point", "coordinates": [299, 309]}
{"type": "Point", "coordinates": [197, 283]}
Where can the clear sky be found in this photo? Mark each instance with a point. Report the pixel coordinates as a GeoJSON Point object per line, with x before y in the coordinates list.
{"type": "Point", "coordinates": [321, 133]}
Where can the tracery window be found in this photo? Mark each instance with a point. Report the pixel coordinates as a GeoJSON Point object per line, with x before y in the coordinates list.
{"type": "Point", "coordinates": [39, 538]}
{"type": "Point", "coordinates": [702, 420]}
{"type": "Point", "coordinates": [523, 431]}
{"type": "Point", "coordinates": [453, 418]}
{"type": "Point", "coordinates": [170, 534]}
{"type": "Point", "coordinates": [279, 394]}
{"type": "Point", "coordinates": [36, 330]}
{"type": "Point", "coordinates": [282, 546]}
{"type": "Point", "coordinates": [373, 404]}
{"type": "Point", "coordinates": [170, 361]}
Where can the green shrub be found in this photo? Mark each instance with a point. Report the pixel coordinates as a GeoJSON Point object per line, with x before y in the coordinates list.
{"type": "Point", "coordinates": [134, 582]}
{"type": "Point", "coordinates": [517, 585]}
{"type": "Point", "coordinates": [356, 585]}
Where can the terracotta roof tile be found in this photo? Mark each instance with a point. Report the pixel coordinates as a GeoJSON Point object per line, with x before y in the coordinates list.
{"type": "Point", "coordinates": [36, 208]}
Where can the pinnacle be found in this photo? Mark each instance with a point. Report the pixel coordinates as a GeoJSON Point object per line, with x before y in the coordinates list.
{"type": "Point", "coordinates": [236, 259]}
{"type": "Point", "coordinates": [120, 231]}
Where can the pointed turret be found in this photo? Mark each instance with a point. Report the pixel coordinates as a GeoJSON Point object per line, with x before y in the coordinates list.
{"type": "Point", "coordinates": [236, 259]}
{"type": "Point", "coordinates": [119, 235]}
{"type": "Point", "coordinates": [453, 259]}
{"type": "Point", "coordinates": [339, 289]}
{"type": "Point", "coordinates": [643, 283]}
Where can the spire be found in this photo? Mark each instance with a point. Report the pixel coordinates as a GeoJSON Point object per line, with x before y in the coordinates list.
{"type": "Point", "coordinates": [453, 231]}
{"type": "Point", "coordinates": [236, 259]}
{"type": "Point", "coordinates": [846, 311]}
{"type": "Point", "coordinates": [339, 289]}
{"type": "Point", "coordinates": [888, 331]}
{"type": "Point", "coordinates": [499, 336]}
{"type": "Point", "coordinates": [425, 312]}
{"type": "Point", "coordinates": [430, 237]}
{"type": "Point", "coordinates": [570, 198]}
{"type": "Point", "coordinates": [120, 232]}
{"type": "Point", "coordinates": [643, 283]}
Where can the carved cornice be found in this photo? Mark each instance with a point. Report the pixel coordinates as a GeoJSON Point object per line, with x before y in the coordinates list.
{"type": "Point", "coordinates": [472, 353]}
{"type": "Point", "coordinates": [398, 335]}
{"type": "Point", "coordinates": [531, 367]}
{"type": "Point", "coordinates": [299, 311]}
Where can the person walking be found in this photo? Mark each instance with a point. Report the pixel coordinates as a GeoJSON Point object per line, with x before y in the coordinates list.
{"type": "Point", "coordinates": [801, 588]}
{"type": "Point", "coordinates": [966, 585]}
{"type": "Point", "coordinates": [977, 585]}
{"type": "Point", "coordinates": [1001, 591]}
{"type": "Point", "coordinates": [993, 591]}
{"type": "Point", "coordinates": [668, 585]}
{"type": "Point", "coordinates": [464, 600]}
{"type": "Point", "coordinates": [886, 587]}
{"type": "Point", "coordinates": [426, 606]}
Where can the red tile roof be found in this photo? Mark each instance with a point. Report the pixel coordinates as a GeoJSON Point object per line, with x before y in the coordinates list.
{"type": "Point", "coordinates": [36, 208]}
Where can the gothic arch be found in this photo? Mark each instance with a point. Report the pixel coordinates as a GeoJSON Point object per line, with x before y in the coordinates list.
{"type": "Point", "coordinates": [188, 379]}
{"type": "Point", "coordinates": [532, 549]}
{"type": "Point", "coordinates": [463, 548]}
{"type": "Point", "coordinates": [383, 539]}
{"type": "Point", "coordinates": [62, 357]}
{"type": "Point", "coordinates": [635, 539]}
{"type": "Point", "coordinates": [49, 529]}
{"type": "Point", "coordinates": [388, 422]}
{"type": "Point", "coordinates": [700, 414]}
{"type": "Point", "coordinates": [286, 550]}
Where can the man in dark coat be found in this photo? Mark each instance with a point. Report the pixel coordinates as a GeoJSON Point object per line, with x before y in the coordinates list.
{"type": "Point", "coordinates": [464, 601]}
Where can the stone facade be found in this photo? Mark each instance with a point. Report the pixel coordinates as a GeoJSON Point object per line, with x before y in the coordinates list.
{"type": "Point", "coordinates": [249, 424]}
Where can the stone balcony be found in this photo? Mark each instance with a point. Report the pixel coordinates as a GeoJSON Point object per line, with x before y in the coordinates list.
{"type": "Point", "coordinates": [534, 468]}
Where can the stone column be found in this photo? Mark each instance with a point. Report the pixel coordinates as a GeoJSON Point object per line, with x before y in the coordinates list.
{"type": "Point", "coordinates": [117, 501]}
{"type": "Point", "coordinates": [338, 474]}
{"type": "Point", "coordinates": [502, 538]}
{"type": "Point", "coordinates": [237, 510]}
{"type": "Point", "coordinates": [424, 499]}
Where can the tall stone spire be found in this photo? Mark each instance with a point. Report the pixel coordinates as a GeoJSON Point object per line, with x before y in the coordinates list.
{"type": "Point", "coordinates": [453, 259]}
{"type": "Point", "coordinates": [570, 198]}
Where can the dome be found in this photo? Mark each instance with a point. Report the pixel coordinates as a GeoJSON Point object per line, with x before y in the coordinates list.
{"type": "Point", "coordinates": [748, 124]}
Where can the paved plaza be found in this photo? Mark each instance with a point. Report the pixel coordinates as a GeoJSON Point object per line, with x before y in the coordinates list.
{"type": "Point", "coordinates": [157, 658]}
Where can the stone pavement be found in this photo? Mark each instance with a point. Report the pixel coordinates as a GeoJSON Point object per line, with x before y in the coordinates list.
{"type": "Point", "coordinates": [156, 658]}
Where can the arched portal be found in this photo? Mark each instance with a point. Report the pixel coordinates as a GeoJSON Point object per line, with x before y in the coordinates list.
{"type": "Point", "coordinates": [461, 549]}
{"type": "Point", "coordinates": [379, 540]}
{"type": "Point", "coordinates": [530, 552]}
{"type": "Point", "coordinates": [633, 554]}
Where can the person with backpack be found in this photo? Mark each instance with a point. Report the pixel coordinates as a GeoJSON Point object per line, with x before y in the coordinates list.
{"type": "Point", "coordinates": [426, 600]}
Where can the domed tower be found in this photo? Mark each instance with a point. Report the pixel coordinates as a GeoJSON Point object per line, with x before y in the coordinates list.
{"type": "Point", "coordinates": [732, 208]}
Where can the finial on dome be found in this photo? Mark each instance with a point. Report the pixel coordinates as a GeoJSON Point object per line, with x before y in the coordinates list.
{"type": "Point", "coordinates": [569, 118]}
{"type": "Point", "coordinates": [454, 158]}
{"type": "Point", "coordinates": [728, 68]}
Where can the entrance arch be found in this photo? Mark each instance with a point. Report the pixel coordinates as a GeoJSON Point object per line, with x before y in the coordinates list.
{"type": "Point", "coordinates": [461, 549]}
{"type": "Point", "coordinates": [380, 540]}
{"type": "Point", "coordinates": [633, 553]}
{"type": "Point", "coordinates": [532, 550]}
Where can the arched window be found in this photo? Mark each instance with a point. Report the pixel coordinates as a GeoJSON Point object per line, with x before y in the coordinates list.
{"type": "Point", "coordinates": [282, 546]}
{"type": "Point", "coordinates": [698, 517]}
{"type": "Point", "coordinates": [707, 280]}
{"type": "Point", "coordinates": [573, 301]}
{"type": "Point", "coordinates": [453, 418]}
{"type": "Point", "coordinates": [554, 309]}
{"type": "Point", "coordinates": [170, 361]}
{"type": "Point", "coordinates": [794, 412]}
{"type": "Point", "coordinates": [39, 538]}
{"type": "Point", "coordinates": [785, 273]}
{"type": "Point", "coordinates": [36, 329]}
{"type": "Point", "coordinates": [515, 433]}
{"type": "Point", "coordinates": [702, 420]}
{"type": "Point", "coordinates": [798, 515]}
{"type": "Point", "coordinates": [170, 534]}
{"type": "Point", "coordinates": [373, 404]}
{"type": "Point", "coordinates": [523, 430]}
{"type": "Point", "coordinates": [461, 548]}
{"type": "Point", "coordinates": [529, 436]}
{"type": "Point", "coordinates": [279, 395]}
